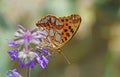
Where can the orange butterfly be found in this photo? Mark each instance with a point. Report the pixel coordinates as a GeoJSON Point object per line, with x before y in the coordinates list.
{"type": "Point", "coordinates": [59, 30]}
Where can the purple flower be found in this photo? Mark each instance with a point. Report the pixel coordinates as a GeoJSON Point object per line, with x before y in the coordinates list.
{"type": "Point", "coordinates": [25, 36]}
{"type": "Point", "coordinates": [12, 44]}
{"type": "Point", "coordinates": [28, 49]}
{"type": "Point", "coordinates": [13, 54]}
{"type": "Point", "coordinates": [42, 61]}
{"type": "Point", "coordinates": [35, 56]}
{"type": "Point", "coordinates": [13, 73]}
{"type": "Point", "coordinates": [46, 51]}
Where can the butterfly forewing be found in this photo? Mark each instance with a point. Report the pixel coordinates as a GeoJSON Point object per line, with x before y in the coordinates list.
{"type": "Point", "coordinates": [59, 30]}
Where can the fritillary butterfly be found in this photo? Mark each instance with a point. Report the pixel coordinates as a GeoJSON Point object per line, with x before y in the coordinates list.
{"type": "Point", "coordinates": [59, 30]}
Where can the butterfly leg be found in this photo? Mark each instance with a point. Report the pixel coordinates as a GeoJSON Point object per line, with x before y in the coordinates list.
{"type": "Point", "coordinates": [60, 52]}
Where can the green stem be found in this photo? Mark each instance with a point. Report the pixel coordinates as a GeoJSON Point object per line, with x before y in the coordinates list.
{"type": "Point", "coordinates": [28, 72]}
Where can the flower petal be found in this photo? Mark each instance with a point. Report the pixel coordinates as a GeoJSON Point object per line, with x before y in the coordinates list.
{"type": "Point", "coordinates": [46, 51]}
{"type": "Point", "coordinates": [42, 61]}
{"type": "Point", "coordinates": [21, 27]}
{"type": "Point", "coordinates": [20, 41]}
{"type": "Point", "coordinates": [13, 73]}
{"type": "Point", "coordinates": [35, 41]}
{"type": "Point", "coordinates": [12, 44]}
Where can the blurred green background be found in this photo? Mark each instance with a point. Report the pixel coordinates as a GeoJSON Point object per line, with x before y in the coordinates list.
{"type": "Point", "coordinates": [93, 52]}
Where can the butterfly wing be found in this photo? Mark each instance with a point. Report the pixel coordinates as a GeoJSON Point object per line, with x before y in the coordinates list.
{"type": "Point", "coordinates": [59, 30]}
{"type": "Point", "coordinates": [71, 25]}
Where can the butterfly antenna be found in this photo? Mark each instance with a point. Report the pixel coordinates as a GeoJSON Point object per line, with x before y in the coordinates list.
{"type": "Point", "coordinates": [60, 52]}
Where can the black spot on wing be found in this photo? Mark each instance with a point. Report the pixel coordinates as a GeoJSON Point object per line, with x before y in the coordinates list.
{"type": "Point", "coordinates": [62, 40]}
{"type": "Point", "coordinates": [65, 30]}
{"type": "Point", "coordinates": [69, 27]}
{"type": "Point", "coordinates": [67, 34]}
{"type": "Point", "coordinates": [65, 38]}
{"type": "Point", "coordinates": [62, 20]}
{"type": "Point", "coordinates": [66, 19]}
{"type": "Point", "coordinates": [71, 30]}
{"type": "Point", "coordinates": [66, 24]}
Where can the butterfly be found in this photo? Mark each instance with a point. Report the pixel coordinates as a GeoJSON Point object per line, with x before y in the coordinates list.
{"type": "Point", "coordinates": [59, 30]}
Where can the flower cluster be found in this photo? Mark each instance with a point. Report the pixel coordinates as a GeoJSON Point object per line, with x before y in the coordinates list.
{"type": "Point", "coordinates": [13, 73]}
{"type": "Point", "coordinates": [27, 48]}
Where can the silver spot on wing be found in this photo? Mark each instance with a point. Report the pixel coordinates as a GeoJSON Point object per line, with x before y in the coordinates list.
{"type": "Point", "coordinates": [51, 32]}
{"type": "Point", "coordinates": [45, 20]}
{"type": "Point", "coordinates": [57, 37]}
{"type": "Point", "coordinates": [45, 32]}
{"type": "Point", "coordinates": [48, 18]}
{"type": "Point", "coordinates": [52, 20]}
{"type": "Point", "coordinates": [49, 39]}
{"type": "Point", "coordinates": [57, 22]}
